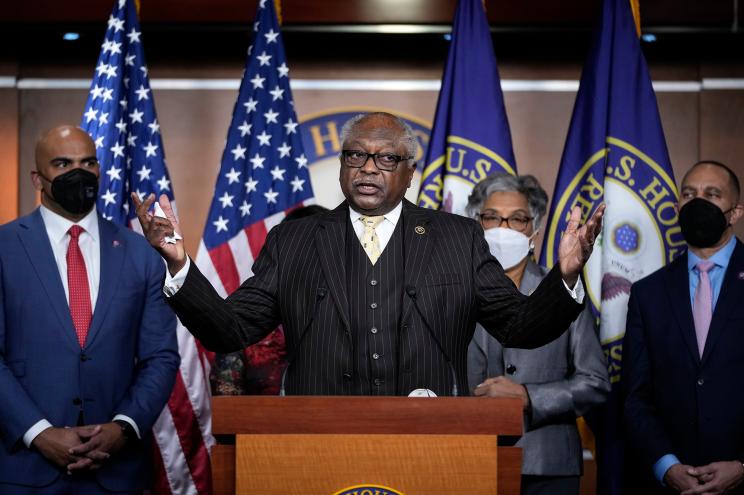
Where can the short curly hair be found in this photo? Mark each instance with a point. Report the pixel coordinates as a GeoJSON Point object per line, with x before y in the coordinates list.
{"type": "Point", "coordinates": [537, 198]}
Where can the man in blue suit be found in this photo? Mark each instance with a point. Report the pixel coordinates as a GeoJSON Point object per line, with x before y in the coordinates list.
{"type": "Point", "coordinates": [88, 350]}
{"type": "Point", "coordinates": [683, 359]}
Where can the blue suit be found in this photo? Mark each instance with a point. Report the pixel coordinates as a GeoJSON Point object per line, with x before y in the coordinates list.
{"type": "Point", "coordinates": [127, 367]}
{"type": "Point", "coordinates": [675, 401]}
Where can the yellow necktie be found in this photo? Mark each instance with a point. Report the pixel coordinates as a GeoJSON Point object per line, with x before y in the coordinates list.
{"type": "Point", "coordinates": [370, 240]}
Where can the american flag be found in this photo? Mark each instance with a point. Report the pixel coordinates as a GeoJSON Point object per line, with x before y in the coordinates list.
{"type": "Point", "coordinates": [120, 117]}
{"type": "Point", "coordinates": [264, 171]}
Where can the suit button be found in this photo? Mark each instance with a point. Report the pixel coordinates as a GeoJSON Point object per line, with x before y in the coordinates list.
{"type": "Point", "coordinates": [84, 358]}
{"type": "Point", "coordinates": [377, 382]}
{"type": "Point", "coordinates": [76, 401]}
{"type": "Point", "coordinates": [373, 305]}
{"type": "Point", "coordinates": [373, 329]}
{"type": "Point", "coordinates": [375, 356]}
{"type": "Point", "coordinates": [373, 282]}
{"type": "Point", "coordinates": [511, 369]}
{"type": "Point", "coordinates": [701, 381]}
{"type": "Point", "coordinates": [347, 375]}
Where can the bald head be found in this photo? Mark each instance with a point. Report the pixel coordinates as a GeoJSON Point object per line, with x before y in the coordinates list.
{"type": "Point", "coordinates": [61, 141]}
{"type": "Point", "coordinates": [59, 151]}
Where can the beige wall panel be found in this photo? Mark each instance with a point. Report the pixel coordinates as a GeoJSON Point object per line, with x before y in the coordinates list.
{"type": "Point", "coordinates": [680, 120]}
{"type": "Point", "coordinates": [539, 124]}
{"type": "Point", "coordinates": [8, 155]}
{"type": "Point", "coordinates": [722, 132]}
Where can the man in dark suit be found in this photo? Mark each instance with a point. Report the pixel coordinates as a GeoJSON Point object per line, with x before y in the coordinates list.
{"type": "Point", "coordinates": [377, 297]}
{"type": "Point", "coordinates": [88, 349]}
{"type": "Point", "coordinates": [684, 349]}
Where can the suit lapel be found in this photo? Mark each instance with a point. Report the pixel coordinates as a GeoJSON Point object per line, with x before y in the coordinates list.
{"type": "Point", "coordinates": [329, 242]}
{"type": "Point", "coordinates": [418, 239]}
{"type": "Point", "coordinates": [36, 242]}
{"type": "Point", "coordinates": [113, 251]}
{"type": "Point", "coordinates": [678, 287]}
{"type": "Point", "coordinates": [730, 297]}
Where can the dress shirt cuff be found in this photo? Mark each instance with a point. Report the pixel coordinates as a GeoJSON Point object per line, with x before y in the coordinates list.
{"type": "Point", "coordinates": [34, 431]}
{"type": "Point", "coordinates": [130, 421]}
{"type": "Point", "coordinates": [174, 283]}
{"type": "Point", "coordinates": [577, 293]}
{"type": "Point", "coordinates": [663, 465]}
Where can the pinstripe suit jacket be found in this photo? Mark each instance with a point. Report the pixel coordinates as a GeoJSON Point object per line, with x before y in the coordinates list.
{"type": "Point", "coordinates": [299, 280]}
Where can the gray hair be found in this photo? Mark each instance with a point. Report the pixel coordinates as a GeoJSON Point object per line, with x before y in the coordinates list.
{"type": "Point", "coordinates": [408, 138]}
{"type": "Point", "coordinates": [527, 185]}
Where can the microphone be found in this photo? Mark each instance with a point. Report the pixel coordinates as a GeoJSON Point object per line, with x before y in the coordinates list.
{"type": "Point", "coordinates": [411, 291]}
{"type": "Point", "coordinates": [320, 295]}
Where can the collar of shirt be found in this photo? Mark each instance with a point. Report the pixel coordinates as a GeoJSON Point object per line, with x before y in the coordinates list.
{"type": "Point", "coordinates": [720, 258]}
{"type": "Point", "coordinates": [384, 230]}
{"type": "Point", "coordinates": [57, 226]}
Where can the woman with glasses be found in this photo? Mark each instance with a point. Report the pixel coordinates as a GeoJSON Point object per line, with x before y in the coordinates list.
{"type": "Point", "coordinates": [557, 382]}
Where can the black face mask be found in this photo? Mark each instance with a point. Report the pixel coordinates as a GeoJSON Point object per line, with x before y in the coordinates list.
{"type": "Point", "coordinates": [702, 223]}
{"type": "Point", "coordinates": [75, 191]}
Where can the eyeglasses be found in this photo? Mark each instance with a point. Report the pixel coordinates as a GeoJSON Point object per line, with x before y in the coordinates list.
{"type": "Point", "coordinates": [384, 161]}
{"type": "Point", "coordinates": [517, 222]}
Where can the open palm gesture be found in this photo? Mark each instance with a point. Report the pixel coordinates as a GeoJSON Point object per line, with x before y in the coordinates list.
{"type": "Point", "coordinates": [577, 243]}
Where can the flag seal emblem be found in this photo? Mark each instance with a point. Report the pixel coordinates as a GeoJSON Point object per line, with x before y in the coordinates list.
{"type": "Point", "coordinates": [368, 490]}
{"type": "Point", "coordinates": [640, 233]}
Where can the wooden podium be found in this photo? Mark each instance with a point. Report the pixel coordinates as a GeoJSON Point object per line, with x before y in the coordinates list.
{"type": "Point", "coordinates": [322, 445]}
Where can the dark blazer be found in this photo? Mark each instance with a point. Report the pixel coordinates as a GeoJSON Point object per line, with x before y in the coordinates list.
{"type": "Point", "coordinates": [299, 280]}
{"type": "Point", "coordinates": [563, 379]}
{"type": "Point", "coordinates": [676, 402]}
{"type": "Point", "coordinates": [127, 367]}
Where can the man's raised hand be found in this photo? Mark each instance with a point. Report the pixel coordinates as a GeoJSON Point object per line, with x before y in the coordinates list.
{"type": "Point", "coordinates": [577, 243]}
{"type": "Point", "coordinates": [156, 229]}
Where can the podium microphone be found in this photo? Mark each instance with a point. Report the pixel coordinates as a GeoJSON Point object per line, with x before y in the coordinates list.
{"type": "Point", "coordinates": [320, 295]}
{"type": "Point", "coordinates": [411, 291]}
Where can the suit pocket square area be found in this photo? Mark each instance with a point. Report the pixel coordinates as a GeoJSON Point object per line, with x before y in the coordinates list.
{"type": "Point", "coordinates": [434, 279]}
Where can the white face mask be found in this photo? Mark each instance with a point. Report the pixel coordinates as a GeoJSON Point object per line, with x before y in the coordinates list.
{"type": "Point", "coordinates": [508, 246]}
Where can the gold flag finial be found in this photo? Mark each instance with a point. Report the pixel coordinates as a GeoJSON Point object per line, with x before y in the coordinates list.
{"type": "Point", "coordinates": [636, 8]}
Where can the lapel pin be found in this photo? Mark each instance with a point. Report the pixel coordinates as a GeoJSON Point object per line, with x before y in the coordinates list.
{"type": "Point", "coordinates": [741, 275]}
{"type": "Point", "coordinates": [419, 230]}
{"type": "Point", "coordinates": [115, 243]}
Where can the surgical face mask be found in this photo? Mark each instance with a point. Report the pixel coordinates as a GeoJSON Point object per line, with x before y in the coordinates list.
{"type": "Point", "coordinates": [75, 191]}
{"type": "Point", "coordinates": [702, 223]}
{"type": "Point", "coordinates": [508, 246]}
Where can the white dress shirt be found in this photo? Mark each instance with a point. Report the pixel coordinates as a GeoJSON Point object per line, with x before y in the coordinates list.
{"type": "Point", "coordinates": [57, 229]}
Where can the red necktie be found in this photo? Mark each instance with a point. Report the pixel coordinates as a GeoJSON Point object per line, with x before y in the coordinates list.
{"type": "Point", "coordinates": [77, 283]}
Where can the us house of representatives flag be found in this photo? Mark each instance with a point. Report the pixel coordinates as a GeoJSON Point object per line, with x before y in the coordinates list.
{"type": "Point", "coordinates": [616, 152]}
{"type": "Point", "coordinates": [120, 117]}
{"type": "Point", "coordinates": [470, 137]}
{"type": "Point", "coordinates": [263, 175]}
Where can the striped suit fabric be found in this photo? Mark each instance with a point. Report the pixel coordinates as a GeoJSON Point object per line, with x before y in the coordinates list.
{"type": "Point", "coordinates": [450, 282]}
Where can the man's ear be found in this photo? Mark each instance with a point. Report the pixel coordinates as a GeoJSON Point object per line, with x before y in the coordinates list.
{"type": "Point", "coordinates": [36, 180]}
{"type": "Point", "coordinates": [736, 213]}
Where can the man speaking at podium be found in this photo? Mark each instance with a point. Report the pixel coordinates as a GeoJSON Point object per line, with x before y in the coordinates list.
{"type": "Point", "coordinates": [377, 297]}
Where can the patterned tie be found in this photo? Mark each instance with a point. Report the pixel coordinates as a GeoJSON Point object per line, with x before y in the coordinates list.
{"type": "Point", "coordinates": [370, 240]}
{"type": "Point", "coordinates": [77, 283]}
{"type": "Point", "coordinates": [702, 309]}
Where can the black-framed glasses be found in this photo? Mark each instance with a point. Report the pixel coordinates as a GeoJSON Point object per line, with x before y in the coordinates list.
{"type": "Point", "coordinates": [517, 222]}
{"type": "Point", "coordinates": [384, 161]}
